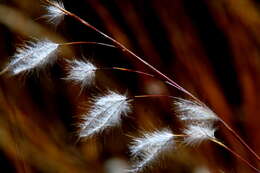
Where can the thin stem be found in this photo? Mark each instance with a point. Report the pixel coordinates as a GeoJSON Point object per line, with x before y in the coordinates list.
{"type": "Point", "coordinates": [235, 154]}
{"type": "Point", "coordinates": [128, 70]}
{"type": "Point", "coordinates": [153, 95]}
{"type": "Point", "coordinates": [133, 71]}
{"type": "Point", "coordinates": [166, 78]}
{"type": "Point", "coordinates": [180, 135]}
{"type": "Point", "coordinates": [4, 70]}
{"type": "Point", "coordinates": [87, 42]}
{"type": "Point", "coordinates": [149, 96]}
{"type": "Point", "coordinates": [240, 139]}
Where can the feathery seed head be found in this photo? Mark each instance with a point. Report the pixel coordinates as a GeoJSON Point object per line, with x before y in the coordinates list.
{"type": "Point", "coordinates": [198, 133]}
{"type": "Point", "coordinates": [105, 112]}
{"type": "Point", "coordinates": [82, 72]}
{"type": "Point", "coordinates": [55, 14]}
{"type": "Point", "coordinates": [33, 55]}
{"type": "Point", "coordinates": [149, 147]}
{"type": "Point", "coordinates": [192, 111]}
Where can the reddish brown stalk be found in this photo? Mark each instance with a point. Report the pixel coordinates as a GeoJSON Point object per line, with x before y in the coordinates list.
{"type": "Point", "coordinates": [163, 76]}
{"type": "Point", "coordinates": [126, 70]}
{"type": "Point", "coordinates": [132, 71]}
{"type": "Point", "coordinates": [240, 139]}
{"type": "Point", "coordinates": [152, 95]}
{"type": "Point", "coordinates": [235, 154]}
{"type": "Point", "coordinates": [87, 42]}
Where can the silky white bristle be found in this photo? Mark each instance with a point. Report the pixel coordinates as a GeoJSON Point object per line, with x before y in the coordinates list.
{"type": "Point", "coordinates": [54, 12]}
{"type": "Point", "coordinates": [198, 133]}
{"type": "Point", "coordinates": [192, 111]}
{"type": "Point", "coordinates": [105, 112]}
{"type": "Point", "coordinates": [149, 147]}
{"type": "Point", "coordinates": [81, 72]}
{"type": "Point", "coordinates": [33, 55]}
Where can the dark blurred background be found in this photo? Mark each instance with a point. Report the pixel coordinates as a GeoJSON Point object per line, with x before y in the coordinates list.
{"type": "Point", "coordinates": [209, 47]}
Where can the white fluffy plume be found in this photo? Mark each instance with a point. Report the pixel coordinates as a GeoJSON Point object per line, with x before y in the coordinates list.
{"type": "Point", "coordinates": [192, 111]}
{"type": "Point", "coordinates": [105, 112]}
{"type": "Point", "coordinates": [81, 72]}
{"type": "Point", "coordinates": [149, 147]}
{"type": "Point", "coordinates": [55, 14]}
{"type": "Point", "coordinates": [198, 133]}
{"type": "Point", "coordinates": [33, 55]}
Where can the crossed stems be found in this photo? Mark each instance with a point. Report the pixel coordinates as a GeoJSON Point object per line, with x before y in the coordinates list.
{"type": "Point", "coordinates": [156, 71]}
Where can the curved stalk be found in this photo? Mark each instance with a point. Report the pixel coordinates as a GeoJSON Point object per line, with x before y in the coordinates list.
{"type": "Point", "coordinates": [235, 154]}
{"type": "Point", "coordinates": [128, 70]}
{"type": "Point", "coordinates": [131, 71]}
{"type": "Point", "coordinates": [160, 74]}
{"type": "Point", "coordinates": [240, 139]}
{"type": "Point", "coordinates": [87, 42]}
{"type": "Point", "coordinates": [149, 96]}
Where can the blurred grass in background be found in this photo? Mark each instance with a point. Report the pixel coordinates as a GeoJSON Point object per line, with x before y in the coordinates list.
{"type": "Point", "coordinates": [210, 47]}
